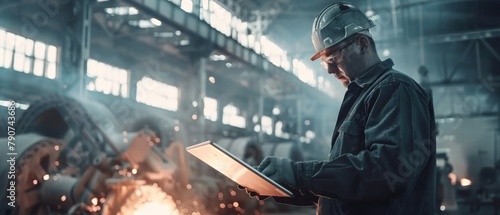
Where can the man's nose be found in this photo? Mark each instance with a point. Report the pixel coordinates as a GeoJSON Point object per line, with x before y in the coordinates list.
{"type": "Point", "coordinates": [332, 69]}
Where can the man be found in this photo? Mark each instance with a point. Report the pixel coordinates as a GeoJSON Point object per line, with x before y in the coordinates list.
{"type": "Point", "coordinates": [382, 159]}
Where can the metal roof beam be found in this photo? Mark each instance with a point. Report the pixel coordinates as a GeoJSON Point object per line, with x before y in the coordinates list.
{"type": "Point", "coordinates": [171, 14]}
{"type": "Point", "coordinates": [472, 35]}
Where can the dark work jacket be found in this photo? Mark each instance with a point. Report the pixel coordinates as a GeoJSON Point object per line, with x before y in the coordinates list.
{"type": "Point", "coordinates": [382, 159]}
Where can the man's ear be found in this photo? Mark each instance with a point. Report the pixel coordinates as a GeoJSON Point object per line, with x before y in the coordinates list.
{"type": "Point", "coordinates": [364, 44]}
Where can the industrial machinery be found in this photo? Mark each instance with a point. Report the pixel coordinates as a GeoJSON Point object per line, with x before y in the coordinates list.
{"type": "Point", "coordinates": [488, 192]}
{"type": "Point", "coordinates": [73, 158]}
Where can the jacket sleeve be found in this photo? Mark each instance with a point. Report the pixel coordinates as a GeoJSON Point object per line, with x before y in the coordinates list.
{"type": "Point", "coordinates": [298, 199]}
{"type": "Point", "coordinates": [396, 148]}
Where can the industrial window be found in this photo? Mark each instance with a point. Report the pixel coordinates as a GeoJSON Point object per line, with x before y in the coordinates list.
{"type": "Point", "coordinates": [254, 43]}
{"type": "Point", "coordinates": [325, 86]}
{"type": "Point", "coordinates": [278, 132]}
{"type": "Point", "coordinates": [205, 11]}
{"type": "Point", "coordinates": [6, 103]}
{"type": "Point", "coordinates": [145, 23]}
{"type": "Point", "coordinates": [230, 117]}
{"type": "Point", "coordinates": [121, 11]}
{"type": "Point", "coordinates": [210, 109]}
{"type": "Point", "coordinates": [187, 5]}
{"type": "Point", "coordinates": [274, 53]}
{"type": "Point", "coordinates": [223, 20]}
{"type": "Point", "coordinates": [242, 29]}
{"type": "Point", "coordinates": [26, 55]}
{"type": "Point", "coordinates": [267, 125]}
{"type": "Point", "coordinates": [217, 16]}
{"type": "Point", "coordinates": [107, 79]}
{"type": "Point", "coordinates": [305, 74]}
{"type": "Point", "coordinates": [131, 11]}
{"type": "Point", "coordinates": [157, 94]}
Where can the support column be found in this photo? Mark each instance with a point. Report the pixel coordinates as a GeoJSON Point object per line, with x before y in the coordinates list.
{"type": "Point", "coordinates": [421, 35]}
{"type": "Point", "coordinates": [202, 94]}
{"type": "Point", "coordinates": [194, 90]}
{"type": "Point", "coordinates": [135, 76]}
{"type": "Point", "coordinates": [394, 18]}
{"type": "Point", "coordinates": [498, 112]}
{"type": "Point", "coordinates": [196, 7]}
{"type": "Point", "coordinates": [76, 48]}
{"type": "Point", "coordinates": [497, 133]}
{"type": "Point", "coordinates": [220, 110]}
{"type": "Point", "coordinates": [261, 107]}
{"type": "Point", "coordinates": [300, 118]}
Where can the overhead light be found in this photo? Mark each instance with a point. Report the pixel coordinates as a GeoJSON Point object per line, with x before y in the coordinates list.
{"type": "Point", "coordinates": [369, 13]}
{"type": "Point", "coordinates": [442, 208]}
{"type": "Point", "coordinates": [142, 23]}
{"type": "Point", "coordinates": [305, 140]}
{"type": "Point", "coordinates": [276, 111]}
{"type": "Point", "coordinates": [229, 65]}
{"type": "Point", "coordinates": [256, 128]}
{"type": "Point", "coordinates": [218, 57]}
{"type": "Point", "coordinates": [132, 11]}
{"type": "Point", "coordinates": [386, 52]}
{"type": "Point", "coordinates": [212, 80]}
{"type": "Point", "coordinates": [255, 119]}
{"type": "Point", "coordinates": [177, 33]}
{"type": "Point", "coordinates": [163, 34]}
{"type": "Point", "coordinates": [155, 21]}
{"type": "Point", "coordinates": [310, 134]}
{"type": "Point", "coordinates": [184, 42]}
{"type": "Point", "coordinates": [121, 11]}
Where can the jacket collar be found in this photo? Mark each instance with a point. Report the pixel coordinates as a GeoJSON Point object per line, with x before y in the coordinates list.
{"type": "Point", "coordinates": [373, 73]}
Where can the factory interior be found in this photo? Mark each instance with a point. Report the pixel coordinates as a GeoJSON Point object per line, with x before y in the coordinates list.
{"type": "Point", "coordinates": [100, 98]}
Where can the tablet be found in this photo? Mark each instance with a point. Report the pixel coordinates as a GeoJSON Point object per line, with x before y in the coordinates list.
{"type": "Point", "coordinates": [237, 170]}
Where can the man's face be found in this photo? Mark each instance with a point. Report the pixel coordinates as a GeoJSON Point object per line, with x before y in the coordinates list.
{"type": "Point", "coordinates": [338, 60]}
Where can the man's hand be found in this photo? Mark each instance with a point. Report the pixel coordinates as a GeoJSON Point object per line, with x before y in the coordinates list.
{"type": "Point", "coordinates": [279, 169]}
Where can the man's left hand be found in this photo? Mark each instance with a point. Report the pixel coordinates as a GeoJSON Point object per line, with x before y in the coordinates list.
{"type": "Point", "coordinates": [279, 169]}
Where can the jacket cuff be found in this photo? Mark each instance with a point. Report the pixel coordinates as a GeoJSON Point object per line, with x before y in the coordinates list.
{"type": "Point", "coordinates": [302, 173]}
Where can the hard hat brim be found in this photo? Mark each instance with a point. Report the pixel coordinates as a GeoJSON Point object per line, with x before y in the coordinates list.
{"type": "Point", "coordinates": [316, 56]}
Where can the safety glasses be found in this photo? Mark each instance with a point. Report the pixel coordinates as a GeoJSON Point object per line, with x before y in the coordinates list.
{"type": "Point", "coordinates": [334, 58]}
